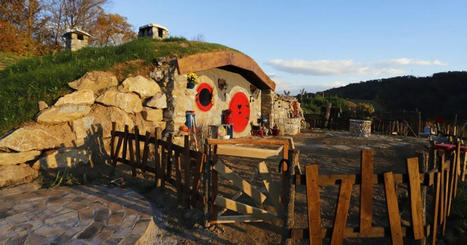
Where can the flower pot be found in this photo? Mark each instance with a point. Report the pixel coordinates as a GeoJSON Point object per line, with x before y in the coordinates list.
{"type": "Point", "coordinates": [190, 85]}
{"type": "Point", "coordinates": [360, 128]}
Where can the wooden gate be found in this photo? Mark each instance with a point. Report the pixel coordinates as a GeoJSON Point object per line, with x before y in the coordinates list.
{"type": "Point", "coordinates": [267, 199]}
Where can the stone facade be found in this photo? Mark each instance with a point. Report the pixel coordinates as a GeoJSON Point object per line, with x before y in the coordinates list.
{"type": "Point", "coordinates": [360, 128]}
{"type": "Point", "coordinates": [286, 114]}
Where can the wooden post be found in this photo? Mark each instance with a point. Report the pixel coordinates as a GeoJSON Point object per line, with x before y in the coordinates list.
{"type": "Point", "coordinates": [290, 205]}
{"type": "Point", "coordinates": [436, 208]}
{"type": "Point", "coordinates": [446, 195]}
{"type": "Point", "coordinates": [178, 173]}
{"type": "Point", "coordinates": [313, 204]}
{"type": "Point", "coordinates": [423, 160]}
{"type": "Point", "coordinates": [415, 198]}
{"type": "Point", "coordinates": [366, 190]}
{"type": "Point", "coordinates": [157, 157]}
{"type": "Point", "coordinates": [125, 142]}
{"type": "Point", "coordinates": [132, 156]}
{"type": "Point", "coordinates": [393, 209]}
{"type": "Point", "coordinates": [457, 166]}
{"type": "Point", "coordinates": [168, 160]}
{"type": "Point", "coordinates": [137, 147]}
{"type": "Point", "coordinates": [342, 210]}
{"type": "Point", "coordinates": [112, 142]}
{"type": "Point", "coordinates": [187, 167]}
{"type": "Point", "coordinates": [214, 183]}
{"type": "Point", "coordinates": [327, 115]}
{"type": "Point", "coordinates": [144, 161]}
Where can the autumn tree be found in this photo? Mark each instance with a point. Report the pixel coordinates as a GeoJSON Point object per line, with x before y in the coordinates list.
{"type": "Point", "coordinates": [111, 29]}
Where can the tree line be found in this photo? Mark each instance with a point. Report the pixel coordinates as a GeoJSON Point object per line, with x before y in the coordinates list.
{"type": "Point", "coordinates": [440, 95]}
{"type": "Point", "coordinates": [36, 26]}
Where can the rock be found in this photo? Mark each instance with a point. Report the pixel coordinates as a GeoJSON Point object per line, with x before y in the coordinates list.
{"type": "Point", "coordinates": [81, 128]}
{"type": "Point", "coordinates": [16, 174]}
{"type": "Point", "coordinates": [64, 157]}
{"type": "Point", "coordinates": [157, 75]}
{"type": "Point", "coordinates": [102, 118]}
{"type": "Point", "coordinates": [128, 102]}
{"type": "Point", "coordinates": [20, 157]}
{"type": "Point", "coordinates": [140, 85]}
{"type": "Point", "coordinates": [80, 97]}
{"type": "Point", "coordinates": [63, 113]}
{"type": "Point", "coordinates": [95, 81]}
{"type": "Point", "coordinates": [42, 105]}
{"type": "Point", "coordinates": [158, 101]}
{"type": "Point", "coordinates": [38, 137]}
{"type": "Point", "coordinates": [154, 115]}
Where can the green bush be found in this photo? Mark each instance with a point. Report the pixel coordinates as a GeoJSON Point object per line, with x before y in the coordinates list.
{"type": "Point", "coordinates": [45, 78]}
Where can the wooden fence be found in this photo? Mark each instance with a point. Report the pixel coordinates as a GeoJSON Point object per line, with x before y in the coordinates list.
{"type": "Point", "coordinates": [274, 191]}
{"type": "Point", "coordinates": [441, 180]}
{"type": "Point", "coordinates": [174, 164]}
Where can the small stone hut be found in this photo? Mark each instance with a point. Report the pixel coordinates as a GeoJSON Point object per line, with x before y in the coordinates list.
{"type": "Point", "coordinates": [76, 39]}
{"type": "Point", "coordinates": [153, 31]}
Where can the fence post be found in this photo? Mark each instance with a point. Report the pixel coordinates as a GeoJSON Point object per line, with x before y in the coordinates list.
{"type": "Point", "coordinates": [290, 200]}
{"type": "Point", "coordinates": [187, 166]}
{"type": "Point", "coordinates": [157, 157]}
{"type": "Point", "coordinates": [423, 159]}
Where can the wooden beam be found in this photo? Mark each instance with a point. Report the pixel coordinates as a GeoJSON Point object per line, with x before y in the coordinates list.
{"type": "Point", "coordinates": [393, 209]}
{"type": "Point", "coordinates": [243, 208]}
{"type": "Point", "coordinates": [236, 219]}
{"type": "Point", "coordinates": [366, 190]}
{"type": "Point", "coordinates": [313, 204]}
{"type": "Point", "coordinates": [272, 188]}
{"type": "Point", "coordinates": [436, 208]}
{"type": "Point", "coordinates": [239, 182]}
{"type": "Point", "coordinates": [415, 198]}
{"type": "Point", "coordinates": [342, 210]}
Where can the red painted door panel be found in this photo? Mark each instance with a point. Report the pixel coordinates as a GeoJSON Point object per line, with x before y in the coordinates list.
{"type": "Point", "coordinates": [240, 111]}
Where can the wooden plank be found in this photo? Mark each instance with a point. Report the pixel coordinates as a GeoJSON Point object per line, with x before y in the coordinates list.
{"type": "Point", "coordinates": [112, 142]}
{"type": "Point", "coordinates": [342, 210]}
{"type": "Point", "coordinates": [146, 149]}
{"type": "Point", "coordinates": [271, 187]}
{"type": "Point", "coordinates": [415, 198]}
{"type": "Point", "coordinates": [125, 142]}
{"type": "Point", "coordinates": [178, 173]}
{"type": "Point", "coordinates": [157, 157]}
{"type": "Point", "coordinates": [446, 196]}
{"type": "Point", "coordinates": [366, 190]}
{"type": "Point", "coordinates": [436, 208]}
{"type": "Point", "coordinates": [442, 169]}
{"type": "Point", "coordinates": [313, 204]}
{"type": "Point", "coordinates": [137, 147]}
{"type": "Point", "coordinates": [236, 219]}
{"type": "Point", "coordinates": [393, 209]}
{"type": "Point", "coordinates": [249, 141]}
{"type": "Point", "coordinates": [457, 166]}
{"type": "Point", "coordinates": [239, 182]}
{"type": "Point", "coordinates": [117, 150]}
{"type": "Point", "coordinates": [132, 156]}
{"type": "Point", "coordinates": [187, 168]}
{"type": "Point", "coordinates": [464, 168]}
{"type": "Point", "coordinates": [200, 161]}
{"type": "Point", "coordinates": [168, 160]}
{"type": "Point", "coordinates": [214, 184]}
{"type": "Point", "coordinates": [350, 232]}
{"type": "Point", "coordinates": [243, 208]}
{"type": "Point", "coordinates": [452, 178]}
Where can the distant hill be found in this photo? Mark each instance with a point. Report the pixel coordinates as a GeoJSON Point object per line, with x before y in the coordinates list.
{"type": "Point", "coordinates": [443, 94]}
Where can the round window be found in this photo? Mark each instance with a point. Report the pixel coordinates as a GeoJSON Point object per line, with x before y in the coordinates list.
{"type": "Point", "coordinates": [204, 97]}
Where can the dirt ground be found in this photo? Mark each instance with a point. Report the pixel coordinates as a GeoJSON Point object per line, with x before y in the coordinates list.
{"type": "Point", "coordinates": [334, 152]}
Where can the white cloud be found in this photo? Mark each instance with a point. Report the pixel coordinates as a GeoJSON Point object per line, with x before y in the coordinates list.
{"type": "Point", "coordinates": [347, 67]}
{"type": "Point", "coordinates": [408, 61]}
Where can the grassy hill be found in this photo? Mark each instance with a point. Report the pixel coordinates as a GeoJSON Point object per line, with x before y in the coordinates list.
{"type": "Point", "coordinates": [45, 78]}
{"type": "Point", "coordinates": [7, 59]}
{"type": "Point", "coordinates": [443, 94]}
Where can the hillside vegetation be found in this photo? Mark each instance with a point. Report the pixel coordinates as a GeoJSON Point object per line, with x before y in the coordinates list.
{"type": "Point", "coordinates": [7, 59]}
{"type": "Point", "coordinates": [443, 94]}
{"type": "Point", "coordinates": [45, 78]}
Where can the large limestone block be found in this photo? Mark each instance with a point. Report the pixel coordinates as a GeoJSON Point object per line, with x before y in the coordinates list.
{"type": "Point", "coordinates": [95, 81]}
{"type": "Point", "coordinates": [38, 137]}
{"type": "Point", "coordinates": [98, 123]}
{"type": "Point", "coordinates": [128, 102]}
{"type": "Point", "coordinates": [63, 113]}
{"type": "Point", "coordinates": [64, 157]}
{"type": "Point", "coordinates": [154, 115]}
{"type": "Point", "coordinates": [140, 85]}
{"type": "Point", "coordinates": [158, 101]}
{"type": "Point", "coordinates": [80, 97]}
{"type": "Point", "coordinates": [7, 158]}
{"type": "Point", "coordinates": [16, 174]}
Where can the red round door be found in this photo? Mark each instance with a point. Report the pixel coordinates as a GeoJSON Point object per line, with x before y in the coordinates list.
{"type": "Point", "coordinates": [240, 111]}
{"type": "Point", "coordinates": [204, 97]}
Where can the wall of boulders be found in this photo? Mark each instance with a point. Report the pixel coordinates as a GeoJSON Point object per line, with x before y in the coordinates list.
{"type": "Point", "coordinates": [287, 114]}
{"type": "Point", "coordinates": [76, 129]}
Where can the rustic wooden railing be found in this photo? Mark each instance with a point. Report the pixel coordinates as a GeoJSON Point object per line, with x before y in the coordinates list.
{"type": "Point", "coordinates": [174, 164]}
{"type": "Point", "coordinates": [442, 180]}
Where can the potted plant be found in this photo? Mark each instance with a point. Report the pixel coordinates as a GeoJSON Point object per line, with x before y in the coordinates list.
{"type": "Point", "coordinates": [192, 80]}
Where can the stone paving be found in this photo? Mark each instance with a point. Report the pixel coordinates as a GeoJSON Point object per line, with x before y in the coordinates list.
{"type": "Point", "coordinates": [75, 215]}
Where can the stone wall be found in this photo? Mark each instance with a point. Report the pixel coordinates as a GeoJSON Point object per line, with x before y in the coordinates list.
{"type": "Point", "coordinates": [287, 115]}
{"type": "Point", "coordinates": [76, 129]}
{"type": "Point", "coordinates": [182, 99]}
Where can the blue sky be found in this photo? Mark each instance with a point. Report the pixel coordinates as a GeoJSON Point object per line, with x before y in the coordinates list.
{"type": "Point", "coordinates": [320, 44]}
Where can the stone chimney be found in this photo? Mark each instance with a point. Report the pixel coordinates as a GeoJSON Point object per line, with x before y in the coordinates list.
{"type": "Point", "coordinates": [153, 31]}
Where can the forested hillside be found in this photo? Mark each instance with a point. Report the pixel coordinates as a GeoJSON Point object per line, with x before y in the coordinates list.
{"type": "Point", "coordinates": [443, 94]}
